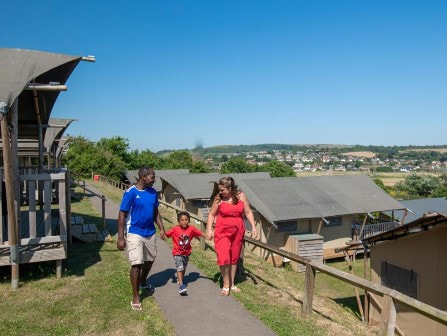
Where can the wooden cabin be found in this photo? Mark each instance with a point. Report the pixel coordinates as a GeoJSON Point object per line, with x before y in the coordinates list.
{"type": "Point", "coordinates": [285, 208]}
{"type": "Point", "coordinates": [30, 230]}
{"type": "Point", "coordinates": [412, 259]}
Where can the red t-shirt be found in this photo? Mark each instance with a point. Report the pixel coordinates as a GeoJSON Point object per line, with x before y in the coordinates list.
{"type": "Point", "coordinates": [181, 239]}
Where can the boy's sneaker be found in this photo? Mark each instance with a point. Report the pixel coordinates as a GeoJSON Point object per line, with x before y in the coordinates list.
{"type": "Point", "coordinates": [147, 287]}
{"type": "Point", "coordinates": [182, 289]}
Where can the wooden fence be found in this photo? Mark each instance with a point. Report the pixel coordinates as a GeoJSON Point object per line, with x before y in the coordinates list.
{"type": "Point", "coordinates": [390, 296]}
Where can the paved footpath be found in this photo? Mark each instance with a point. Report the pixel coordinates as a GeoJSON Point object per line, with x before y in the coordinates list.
{"type": "Point", "coordinates": [203, 311]}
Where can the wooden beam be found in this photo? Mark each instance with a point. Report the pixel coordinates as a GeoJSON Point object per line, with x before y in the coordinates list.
{"type": "Point", "coordinates": [45, 87]}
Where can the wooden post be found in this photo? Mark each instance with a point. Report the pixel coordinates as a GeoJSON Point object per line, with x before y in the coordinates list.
{"type": "Point", "coordinates": [388, 317]}
{"type": "Point", "coordinates": [309, 287]}
{"type": "Point", "coordinates": [174, 217]}
{"type": "Point", "coordinates": [402, 222]}
{"type": "Point", "coordinates": [363, 226]}
{"type": "Point", "coordinates": [366, 277]}
{"type": "Point", "coordinates": [10, 193]}
{"type": "Point", "coordinates": [202, 240]}
{"type": "Point", "coordinates": [58, 269]}
{"type": "Point", "coordinates": [103, 208]}
{"type": "Point", "coordinates": [357, 295]}
{"type": "Point", "coordinates": [14, 117]}
{"type": "Point", "coordinates": [319, 226]}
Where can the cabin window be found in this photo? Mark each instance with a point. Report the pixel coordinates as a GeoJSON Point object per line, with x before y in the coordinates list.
{"type": "Point", "coordinates": [287, 226]}
{"type": "Point", "coordinates": [400, 279]}
{"type": "Point", "coordinates": [332, 221]}
{"type": "Point", "coordinates": [177, 202]}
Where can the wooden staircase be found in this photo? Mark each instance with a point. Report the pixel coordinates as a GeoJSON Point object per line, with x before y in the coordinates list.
{"type": "Point", "coordinates": [88, 233]}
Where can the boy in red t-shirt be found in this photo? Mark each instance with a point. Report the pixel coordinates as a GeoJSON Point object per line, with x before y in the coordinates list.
{"type": "Point", "coordinates": [181, 238]}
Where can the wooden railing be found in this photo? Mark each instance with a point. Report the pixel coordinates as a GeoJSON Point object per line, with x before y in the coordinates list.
{"type": "Point", "coordinates": [77, 181]}
{"type": "Point", "coordinates": [50, 230]}
{"type": "Point", "coordinates": [390, 296]}
{"type": "Point", "coordinates": [114, 183]}
{"type": "Point", "coordinates": [373, 229]}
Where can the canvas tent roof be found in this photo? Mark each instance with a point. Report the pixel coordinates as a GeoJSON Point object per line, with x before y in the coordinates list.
{"type": "Point", "coordinates": [290, 198]}
{"type": "Point", "coordinates": [425, 223]}
{"type": "Point", "coordinates": [132, 175]}
{"type": "Point", "coordinates": [18, 67]}
{"type": "Point", "coordinates": [55, 130]}
{"type": "Point", "coordinates": [200, 186]}
{"type": "Point", "coordinates": [423, 206]}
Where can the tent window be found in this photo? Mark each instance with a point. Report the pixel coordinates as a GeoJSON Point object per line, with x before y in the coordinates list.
{"type": "Point", "coordinates": [332, 221]}
{"type": "Point", "coordinates": [287, 226]}
{"type": "Point", "coordinates": [400, 279]}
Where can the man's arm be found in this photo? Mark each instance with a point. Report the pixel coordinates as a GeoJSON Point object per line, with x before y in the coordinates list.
{"type": "Point", "coordinates": [121, 242]}
{"type": "Point", "coordinates": [159, 223]}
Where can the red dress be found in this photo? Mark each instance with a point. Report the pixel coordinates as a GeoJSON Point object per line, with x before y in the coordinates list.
{"type": "Point", "coordinates": [229, 232]}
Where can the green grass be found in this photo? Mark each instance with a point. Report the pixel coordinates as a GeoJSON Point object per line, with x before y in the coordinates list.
{"type": "Point", "coordinates": [92, 298]}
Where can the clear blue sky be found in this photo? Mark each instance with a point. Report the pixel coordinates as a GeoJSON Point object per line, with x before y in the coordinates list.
{"type": "Point", "coordinates": [171, 74]}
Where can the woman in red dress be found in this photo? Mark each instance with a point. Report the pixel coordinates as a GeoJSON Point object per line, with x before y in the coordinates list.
{"type": "Point", "coordinates": [228, 209]}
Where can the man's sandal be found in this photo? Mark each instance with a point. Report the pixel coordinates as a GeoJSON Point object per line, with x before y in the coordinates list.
{"type": "Point", "coordinates": [136, 306]}
{"type": "Point", "coordinates": [225, 291]}
{"type": "Point", "coordinates": [235, 289]}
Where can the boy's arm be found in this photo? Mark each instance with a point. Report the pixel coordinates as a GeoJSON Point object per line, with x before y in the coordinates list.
{"type": "Point", "coordinates": [197, 233]}
{"type": "Point", "coordinates": [169, 233]}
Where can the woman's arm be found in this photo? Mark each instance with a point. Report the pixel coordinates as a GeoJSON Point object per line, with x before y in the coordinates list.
{"type": "Point", "coordinates": [249, 214]}
{"type": "Point", "coordinates": [211, 216]}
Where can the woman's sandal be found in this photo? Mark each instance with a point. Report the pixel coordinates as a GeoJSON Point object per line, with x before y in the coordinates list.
{"type": "Point", "coordinates": [235, 289]}
{"type": "Point", "coordinates": [136, 306]}
{"type": "Point", "coordinates": [225, 291]}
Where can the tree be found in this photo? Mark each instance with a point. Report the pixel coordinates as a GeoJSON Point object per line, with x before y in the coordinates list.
{"type": "Point", "coordinates": [84, 157]}
{"type": "Point", "coordinates": [277, 169]}
{"type": "Point", "coordinates": [145, 158]}
{"type": "Point", "coordinates": [419, 185]}
{"type": "Point", "coordinates": [179, 160]}
{"type": "Point", "coordinates": [236, 165]}
{"type": "Point", "coordinates": [117, 145]}
{"type": "Point", "coordinates": [199, 167]}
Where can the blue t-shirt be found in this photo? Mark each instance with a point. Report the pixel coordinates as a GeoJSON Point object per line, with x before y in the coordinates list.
{"type": "Point", "coordinates": [140, 205]}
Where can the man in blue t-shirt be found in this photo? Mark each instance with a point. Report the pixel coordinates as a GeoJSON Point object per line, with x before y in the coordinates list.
{"type": "Point", "coordinates": [140, 208]}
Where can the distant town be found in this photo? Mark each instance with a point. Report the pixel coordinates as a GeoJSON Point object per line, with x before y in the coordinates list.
{"type": "Point", "coordinates": [313, 158]}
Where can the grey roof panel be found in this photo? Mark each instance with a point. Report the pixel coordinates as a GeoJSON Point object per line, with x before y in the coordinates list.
{"type": "Point", "coordinates": [132, 175]}
{"type": "Point", "coordinates": [424, 205]}
{"type": "Point", "coordinates": [314, 197]}
{"type": "Point", "coordinates": [201, 186]}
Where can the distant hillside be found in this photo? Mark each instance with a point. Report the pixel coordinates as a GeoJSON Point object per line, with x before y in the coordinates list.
{"type": "Point", "coordinates": [387, 150]}
{"type": "Point", "coordinates": [262, 147]}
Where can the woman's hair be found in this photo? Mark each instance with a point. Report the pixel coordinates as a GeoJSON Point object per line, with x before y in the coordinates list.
{"type": "Point", "coordinates": [228, 182]}
{"type": "Point", "coordinates": [183, 213]}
